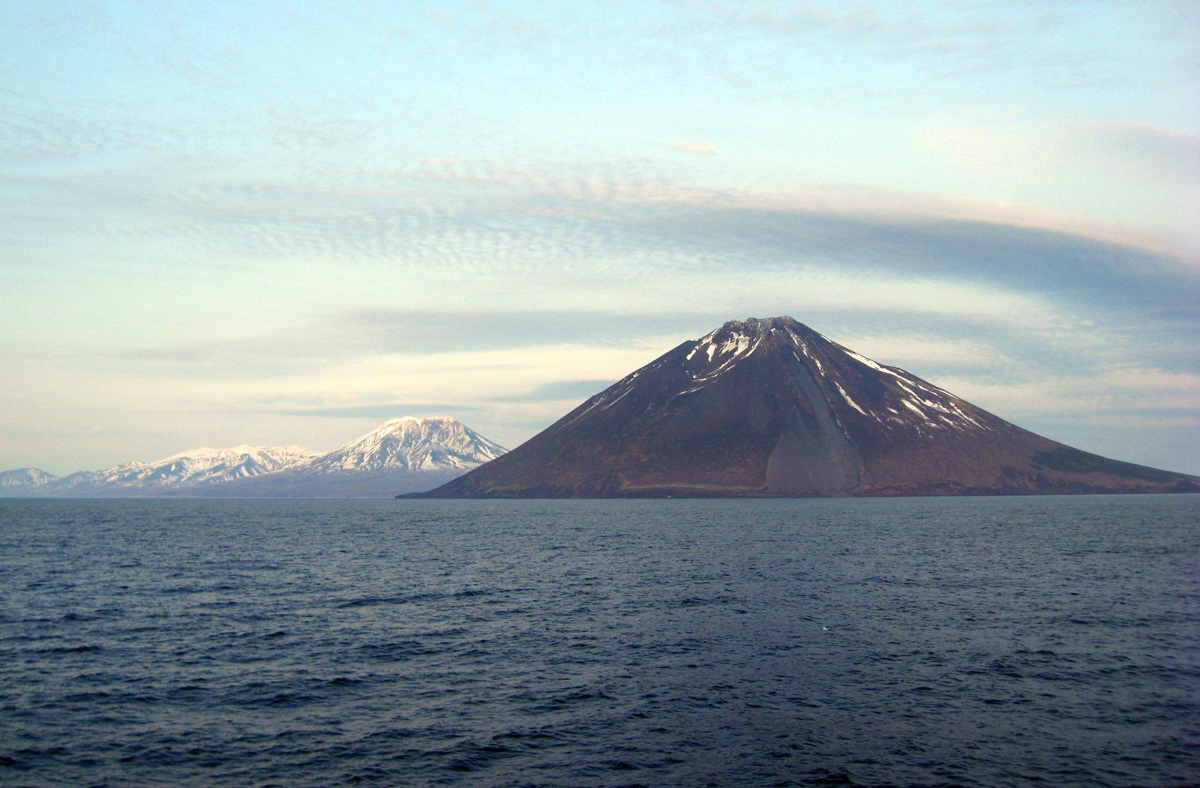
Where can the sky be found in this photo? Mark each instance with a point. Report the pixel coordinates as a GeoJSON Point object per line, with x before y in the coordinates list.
{"type": "Point", "coordinates": [284, 223]}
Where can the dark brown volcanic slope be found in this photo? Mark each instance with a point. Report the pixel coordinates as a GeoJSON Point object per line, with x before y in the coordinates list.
{"type": "Point", "coordinates": [770, 408]}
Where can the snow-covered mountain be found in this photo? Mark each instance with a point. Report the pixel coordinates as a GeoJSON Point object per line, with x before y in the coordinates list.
{"type": "Point", "coordinates": [24, 480]}
{"type": "Point", "coordinates": [402, 455]}
{"type": "Point", "coordinates": [435, 445]}
{"type": "Point", "coordinates": [188, 469]}
{"type": "Point", "coordinates": [399, 456]}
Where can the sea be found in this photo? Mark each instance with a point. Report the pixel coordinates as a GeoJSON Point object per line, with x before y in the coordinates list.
{"type": "Point", "coordinates": [1023, 641]}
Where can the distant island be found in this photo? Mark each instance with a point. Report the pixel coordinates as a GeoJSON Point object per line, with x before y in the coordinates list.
{"type": "Point", "coordinates": [771, 408]}
{"type": "Point", "coordinates": [401, 455]}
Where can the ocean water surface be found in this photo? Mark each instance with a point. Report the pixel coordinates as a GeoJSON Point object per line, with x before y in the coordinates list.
{"type": "Point", "coordinates": [916, 642]}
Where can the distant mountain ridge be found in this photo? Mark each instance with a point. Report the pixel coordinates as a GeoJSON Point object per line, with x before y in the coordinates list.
{"type": "Point", "coordinates": [771, 408]}
{"type": "Point", "coordinates": [402, 454]}
{"type": "Point", "coordinates": [23, 478]}
{"type": "Point", "coordinates": [195, 467]}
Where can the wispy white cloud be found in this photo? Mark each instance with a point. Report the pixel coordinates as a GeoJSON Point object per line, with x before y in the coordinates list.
{"type": "Point", "coordinates": [1132, 173]}
{"type": "Point", "coordinates": [485, 20]}
{"type": "Point", "coordinates": [558, 391]}
{"type": "Point", "coordinates": [939, 42]}
{"type": "Point", "coordinates": [381, 411]}
{"type": "Point", "coordinates": [586, 233]}
{"type": "Point", "coordinates": [698, 146]}
{"type": "Point", "coordinates": [1000, 139]}
{"type": "Point", "coordinates": [1169, 152]}
{"type": "Point", "coordinates": [347, 337]}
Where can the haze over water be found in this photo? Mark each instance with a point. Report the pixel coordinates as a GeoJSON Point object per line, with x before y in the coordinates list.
{"type": "Point", "coordinates": [974, 642]}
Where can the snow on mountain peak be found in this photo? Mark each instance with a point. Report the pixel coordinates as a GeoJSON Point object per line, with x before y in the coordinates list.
{"type": "Point", "coordinates": [439, 443]}
{"type": "Point", "coordinates": [854, 385]}
{"type": "Point", "coordinates": [400, 449]}
{"type": "Point", "coordinates": [271, 457]}
{"type": "Point", "coordinates": [198, 466]}
{"type": "Point", "coordinates": [25, 479]}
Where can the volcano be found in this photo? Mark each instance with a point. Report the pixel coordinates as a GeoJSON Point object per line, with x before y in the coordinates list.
{"type": "Point", "coordinates": [770, 408]}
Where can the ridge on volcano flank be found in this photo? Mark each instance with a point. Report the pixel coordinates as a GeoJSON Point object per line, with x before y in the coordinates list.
{"type": "Point", "coordinates": [771, 408]}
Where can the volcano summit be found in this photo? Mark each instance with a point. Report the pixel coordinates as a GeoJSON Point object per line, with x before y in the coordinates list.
{"type": "Point", "coordinates": [770, 408]}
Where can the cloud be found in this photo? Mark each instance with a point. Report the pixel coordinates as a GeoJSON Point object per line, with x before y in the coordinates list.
{"type": "Point", "coordinates": [561, 229]}
{"type": "Point", "coordinates": [343, 338]}
{"type": "Point", "coordinates": [699, 146]}
{"type": "Point", "coordinates": [387, 410]}
{"type": "Point", "coordinates": [575, 390]}
{"type": "Point", "coordinates": [779, 45]}
{"type": "Point", "coordinates": [1175, 154]}
{"type": "Point", "coordinates": [484, 21]}
{"type": "Point", "coordinates": [622, 251]}
{"type": "Point", "coordinates": [998, 140]}
{"type": "Point", "coordinates": [672, 263]}
{"type": "Point", "coordinates": [1064, 267]}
